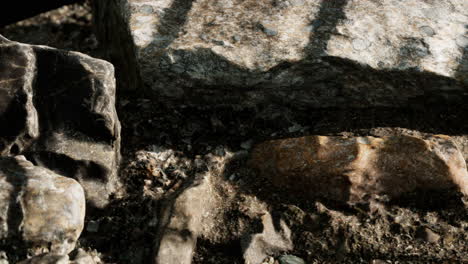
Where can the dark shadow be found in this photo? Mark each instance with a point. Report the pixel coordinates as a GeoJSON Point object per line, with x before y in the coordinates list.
{"type": "Point", "coordinates": [70, 99]}
{"type": "Point", "coordinates": [13, 97]}
{"type": "Point", "coordinates": [16, 11]}
{"type": "Point", "coordinates": [15, 176]}
{"type": "Point", "coordinates": [173, 20]}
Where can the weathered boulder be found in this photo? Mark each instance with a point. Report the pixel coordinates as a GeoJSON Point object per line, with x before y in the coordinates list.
{"type": "Point", "coordinates": [312, 53]}
{"type": "Point", "coordinates": [58, 109]}
{"type": "Point", "coordinates": [355, 169]}
{"type": "Point", "coordinates": [39, 207]}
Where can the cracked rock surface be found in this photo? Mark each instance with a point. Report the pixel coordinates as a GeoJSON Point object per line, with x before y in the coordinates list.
{"type": "Point", "coordinates": [309, 53]}
{"type": "Point", "coordinates": [58, 109]}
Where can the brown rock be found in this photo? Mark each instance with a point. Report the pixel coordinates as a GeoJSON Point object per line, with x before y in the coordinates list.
{"type": "Point", "coordinates": [351, 169]}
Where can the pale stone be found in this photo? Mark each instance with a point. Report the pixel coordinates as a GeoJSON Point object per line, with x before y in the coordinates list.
{"type": "Point", "coordinates": [42, 208]}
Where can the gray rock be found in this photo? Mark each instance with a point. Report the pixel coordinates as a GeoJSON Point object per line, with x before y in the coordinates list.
{"type": "Point", "coordinates": [3, 258]}
{"type": "Point", "coordinates": [47, 259]}
{"type": "Point", "coordinates": [58, 109]}
{"type": "Point", "coordinates": [318, 53]}
{"type": "Point", "coordinates": [181, 222]}
{"type": "Point", "coordinates": [290, 259]}
{"type": "Point", "coordinates": [83, 258]}
{"type": "Point", "coordinates": [39, 207]}
{"type": "Point", "coordinates": [274, 239]}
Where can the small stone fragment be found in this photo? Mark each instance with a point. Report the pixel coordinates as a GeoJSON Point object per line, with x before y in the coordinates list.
{"type": "Point", "coordinates": [360, 44]}
{"type": "Point", "coordinates": [271, 241]}
{"type": "Point", "coordinates": [83, 258]}
{"type": "Point", "coordinates": [247, 144]}
{"type": "Point", "coordinates": [428, 31]}
{"type": "Point", "coordinates": [93, 226]}
{"type": "Point", "coordinates": [270, 32]}
{"type": "Point", "coordinates": [290, 259]}
{"type": "Point", "coordinates": [428, 235]}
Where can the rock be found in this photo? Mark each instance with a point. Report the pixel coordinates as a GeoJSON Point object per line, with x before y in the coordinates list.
{"type": "Point", "coordinates": [3, 258]}
{"type": "Point", "coordinates": [182, 222]}
{"type": "Point", "coordinates": [83, 258]}
{"type": "Point", "coordinates": [357, 168]}
{"type": "Point", "coordinates": [58, 109]}
{"type": "Point", "coordinates": [39, 207]}
{"type": "Point", "coordinates": [307, 53]}
{"type": "Point", "coordinates": [272, 240]}
{"type": "Point", "coordinates": [92, 226]}
{"type": "Point", "coordinates": [428, 235]}
{"type": "Point", "coordinates": [290, 259]}
{"type": "Point", "coordinates": [47, 259]}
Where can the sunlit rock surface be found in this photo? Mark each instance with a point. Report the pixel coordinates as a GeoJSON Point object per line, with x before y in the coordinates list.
{"type": "Point", "coordinates": [39, 207]}
{"type": "Point", "coordinates": [58, 109]}
{"type": "Point", "coordinates": [360, 168]}
{"type": "Point", "coordinates": [310, 52]}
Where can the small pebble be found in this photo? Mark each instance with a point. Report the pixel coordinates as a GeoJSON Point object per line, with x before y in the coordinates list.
{"type": "Point", "coordinates": [295, 128]}
{"type": "Point", "coordinates": [247, 144]}
{"type": "Point", "coordinates": [93, 226]}
{"type": "Point", "coordinates": [146, 9]}
{"type": "Point", "coordinates": [270, 32]}
{"type": "Point", "coordinates": [360, 44]}
{"type": "Point", "coordinates": [428, 31]}
{"type": "Point", "coordinates": [232, 177]}
{"type": "Point", "coordinates": [290, 259]}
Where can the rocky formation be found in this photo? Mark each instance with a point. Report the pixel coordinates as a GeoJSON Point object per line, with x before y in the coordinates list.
{"type": "Point", "coordinates": [58, 109]}
{"type": "Point", "coordinates": [39, 207]}
{"type": "Point", "coordinates": [358, 168]}
{"type": "Point", "coordinates": [306, 53]}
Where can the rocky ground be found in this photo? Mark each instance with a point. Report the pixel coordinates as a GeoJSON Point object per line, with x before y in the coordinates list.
{"type": "Point", "coordinates": [164, 147]}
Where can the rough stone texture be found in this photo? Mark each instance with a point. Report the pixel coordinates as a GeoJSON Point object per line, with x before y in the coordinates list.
{"type": "Point", "coordinates": [40, 207]}
{"type": "Point", "coordinates": [312, 53]}
{"type": "Point", "coordinates": [182, 222]}
{"type": "Point", "coordinates": [58, 109]}
{"type": "Point", "coordinates": [358, 168]}
{"type": "Point", "coordinates": [274, 238]}
{"type": "Point", "coordinates": [47, 259]}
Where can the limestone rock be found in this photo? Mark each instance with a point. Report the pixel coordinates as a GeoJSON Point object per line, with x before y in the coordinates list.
{"type": "Point", "coordinates": [181, 222]}
{"type": "Point", "coordinates": [353, 169]}
{"type": "Point", "coordinates": [272, 240]}
{"type": "Point", "coordinates": [39, 207]}
{"type": "Point", "coordinates": [58, 109]}
{"type": "Point", "coordinates": [311, 53]}
{"type": "Point", "coordinates": [47, 259]}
